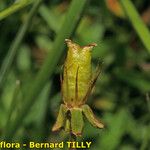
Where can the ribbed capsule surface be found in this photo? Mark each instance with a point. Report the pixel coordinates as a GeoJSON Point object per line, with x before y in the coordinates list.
{"type": "Point", "coordinates": [77, 73]}
{"type": "Point", "coordinates": [77, 84]}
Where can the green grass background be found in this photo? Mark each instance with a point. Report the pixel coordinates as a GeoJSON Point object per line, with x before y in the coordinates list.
{"type": "Point", "coordinates": [32, 52]}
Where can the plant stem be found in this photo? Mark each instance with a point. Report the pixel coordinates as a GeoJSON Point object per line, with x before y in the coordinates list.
{"type": "Point", "coordinates": [13, 104]}
{"type": "Point", "coordinates": [72, 139]}
{"type": "Point", "coordinates": [13, 8]}
{"type": "Point", "coordinates": [70, 23]}
{"type": "Point", "coordinates": [49, 18]}
{"type": "Point", "coordinates": [16, 43]}
{"type": "Point", "coordinates": [137, 22]}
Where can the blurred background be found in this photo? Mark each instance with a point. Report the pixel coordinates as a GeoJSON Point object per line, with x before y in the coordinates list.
{"type": "Point", "coordinates": [121, 98]}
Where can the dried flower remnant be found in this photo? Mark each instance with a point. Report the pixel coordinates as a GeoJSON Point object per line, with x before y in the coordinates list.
{"type": "Point", "coordinates": [77, 83]}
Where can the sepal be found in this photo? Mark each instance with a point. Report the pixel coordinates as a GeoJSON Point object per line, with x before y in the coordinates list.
{"type": "Point", "coordinates": [77, 122]}
{"type": "Point", "coordinates": [91, 117]}
{"type": "Point", "coordinates": [61, 119]}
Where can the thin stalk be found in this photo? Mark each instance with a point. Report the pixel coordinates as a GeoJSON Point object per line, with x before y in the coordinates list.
{"type": "Point", "coordinates": [13, 8]}
{"type": "Point", "coordinates": [137, 22]}
{"type": "Point", "coordinates": [49, 18]}
{"type": "Point", "coordinates": [70, 23]}
{"type": "Point", "coordinates": [72, 139]}
{"type": "Point", "coordinates": [16, 43]}
{"type": "Point", "coordinates": [13, 104]}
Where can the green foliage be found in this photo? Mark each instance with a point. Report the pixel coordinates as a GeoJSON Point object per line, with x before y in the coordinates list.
{"type": "Point", "coordinates": [121, 98]}
{"type": "Point", "coordinates": [137, 23]}
{"type": "Point", "coordinates": [13, 8]}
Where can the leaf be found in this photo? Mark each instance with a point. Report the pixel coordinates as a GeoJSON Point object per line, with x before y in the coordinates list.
{"type": "Point", "coordinates": [23, 59]}
{"type": "Point", "coordinates": [135, 79]}
{"type": "Point", "coordinates": [15, 7]}
{"type": "Point", "coordinates": [117, 125]}
{"type": "Point", "coordinates": [137, 23]}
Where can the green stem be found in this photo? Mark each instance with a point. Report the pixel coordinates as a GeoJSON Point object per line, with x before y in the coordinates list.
{"type": "Point", "coordinates": [49, 18]}
{"type": "Point", "coordinates": [13, 104]}
{"type": "Point", "coordinates": [13, 8]}
{"type": "Point", "coordinates": [72, 139]}
{"type": "Point", "coordinates": [137, 22]}
{"type": "Point", "coordinates": [16, 43]}
{"type": "Point", "coordinates": [145, 141]}
{"type": "Point", "coordinates": [70, 23]}
{"type": "Point", "coordinates": [12, 108]}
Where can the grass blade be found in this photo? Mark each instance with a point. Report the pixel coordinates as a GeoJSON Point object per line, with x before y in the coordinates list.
{"type": "Point", "coordinates": [137, 22]}
{"type": "Point", "coordinates": [16, 43]}
{"type": "Point", "coordinates": [70, 23]}
{"type": "Point", "coordinates": [13, 8]}
{"type": "Point", "coordinates": [49, 18]}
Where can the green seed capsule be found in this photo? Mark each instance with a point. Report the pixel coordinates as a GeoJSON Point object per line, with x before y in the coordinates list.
{"type": "Point", "coordinates": [77, 73]}
{"type": "Point", "coordinates": [77, 84]}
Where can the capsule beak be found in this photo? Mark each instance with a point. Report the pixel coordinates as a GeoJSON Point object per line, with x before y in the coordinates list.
{"type": "Point", "coordinates": [89, 47]}
{"type": "Point", "coordinates": [68, 41]}
{"type": "Point", "coordinates": [72, 45]}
